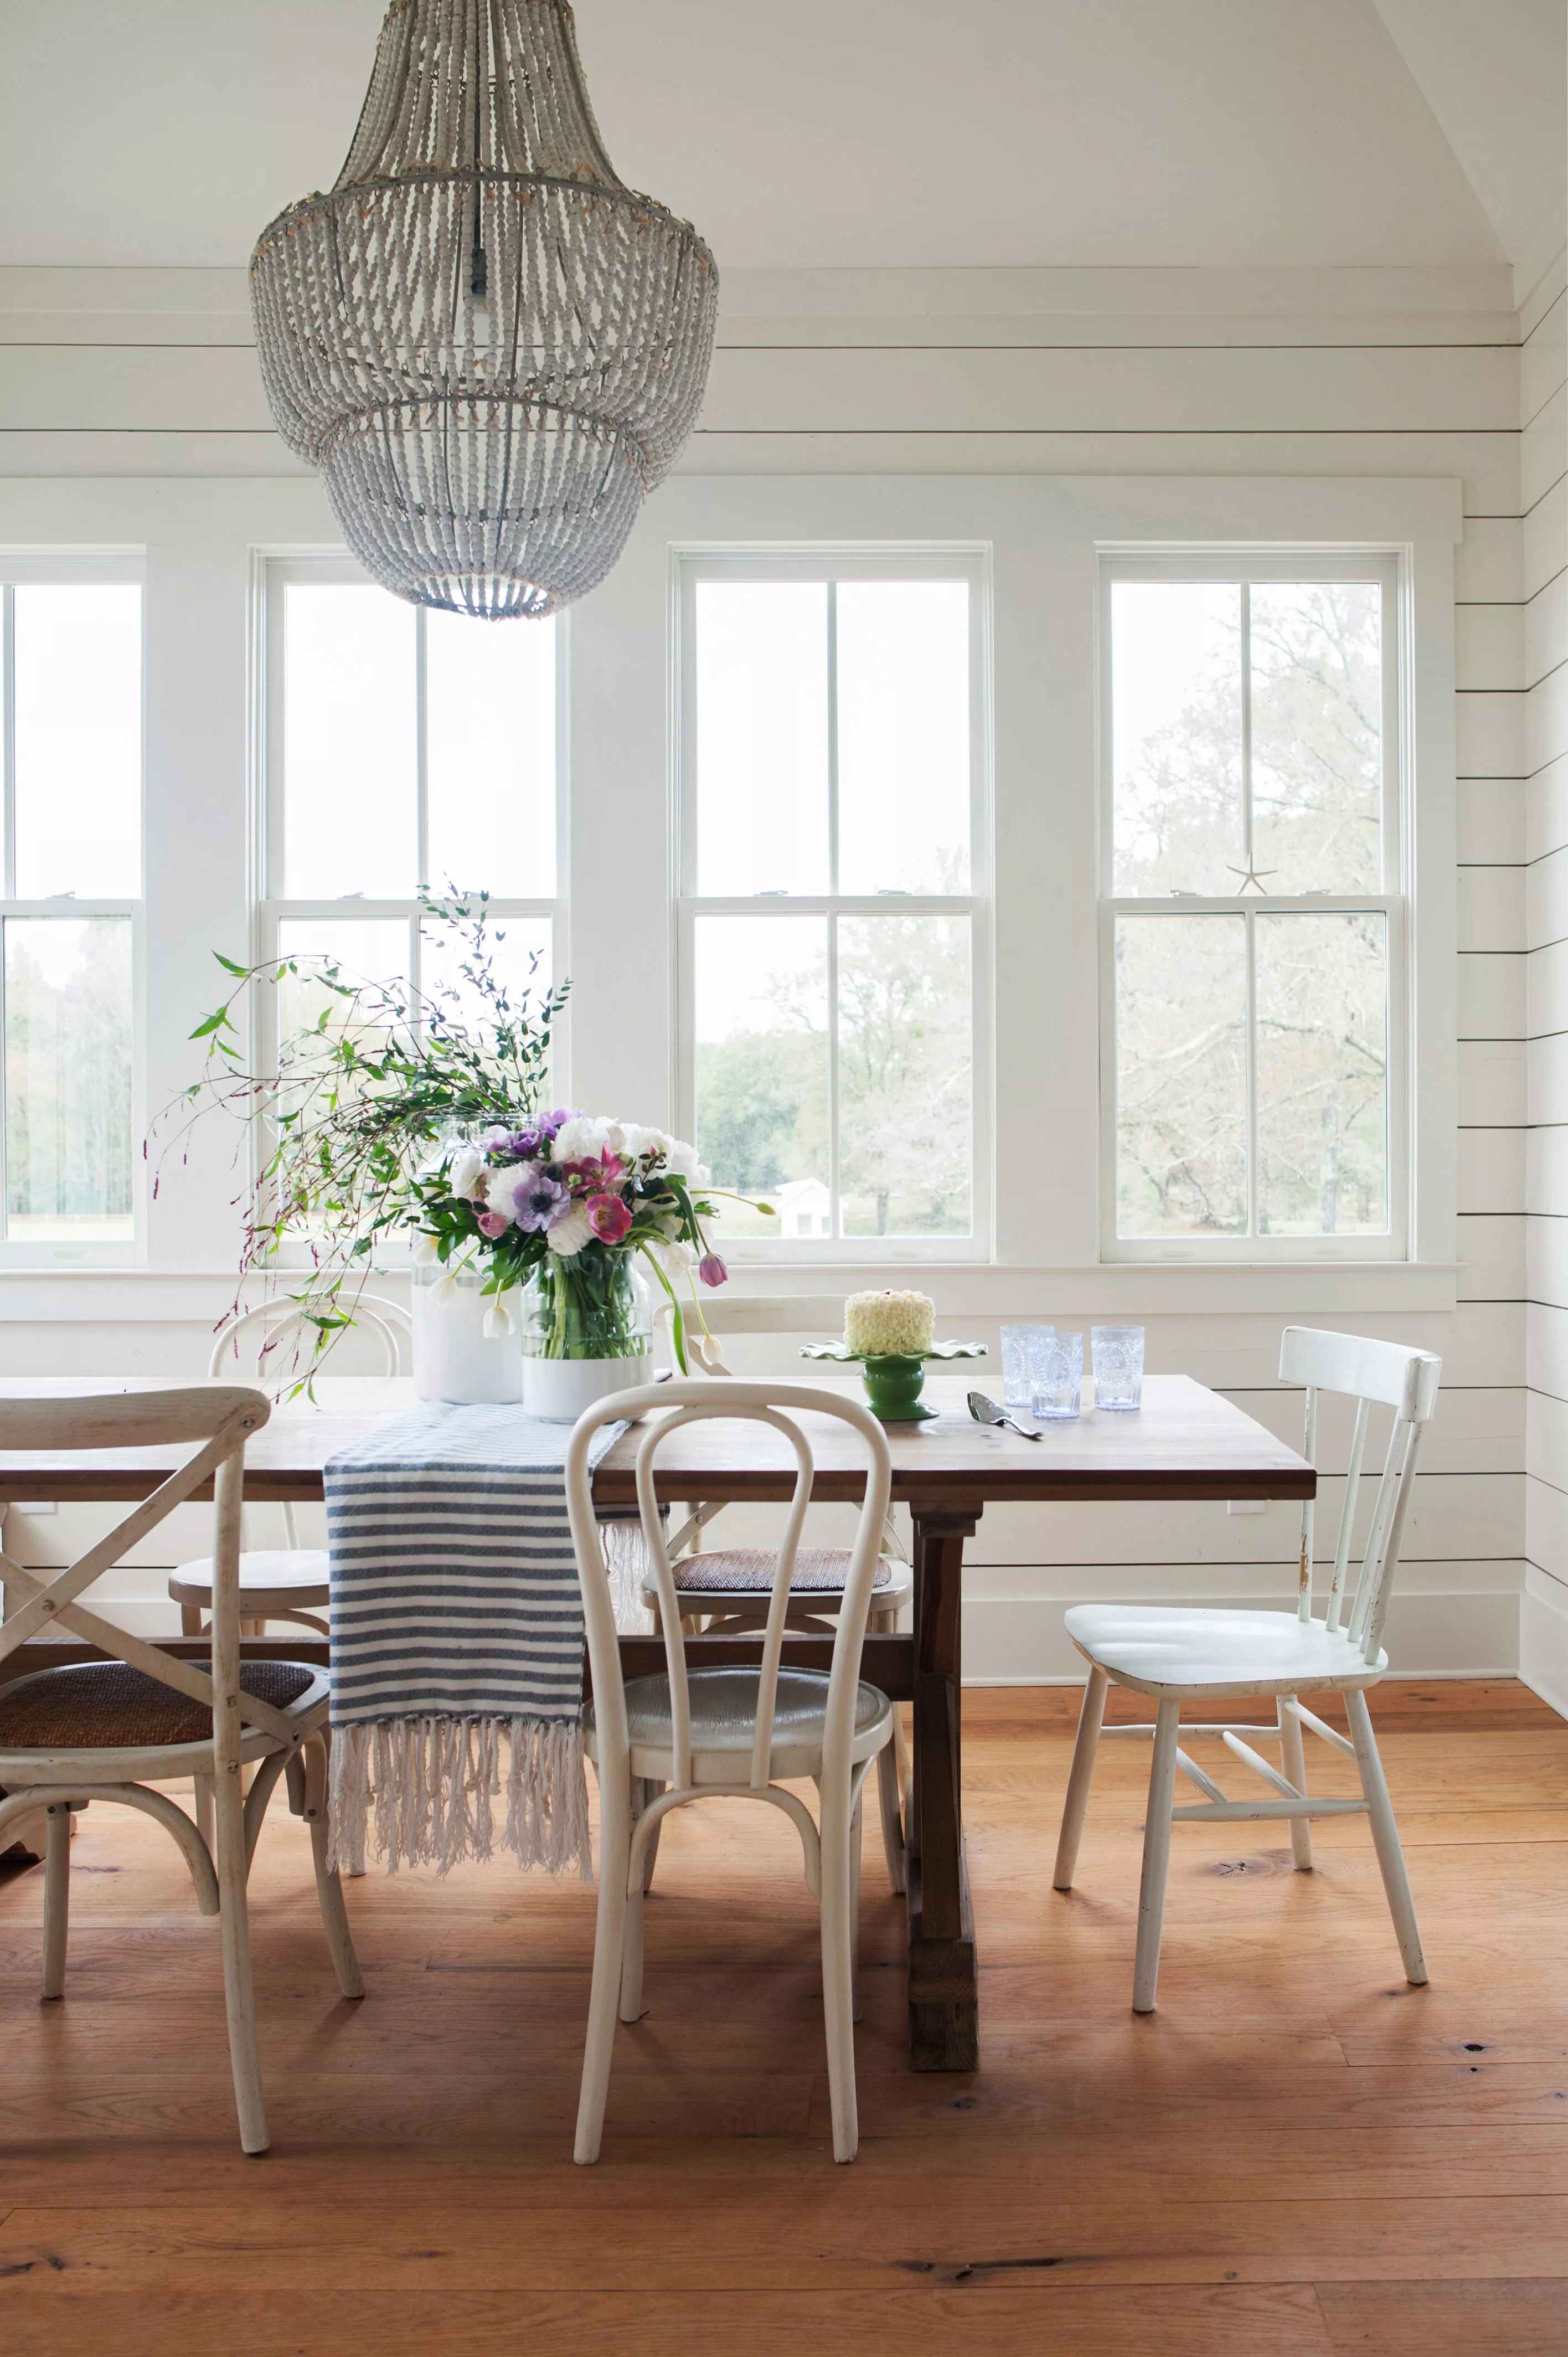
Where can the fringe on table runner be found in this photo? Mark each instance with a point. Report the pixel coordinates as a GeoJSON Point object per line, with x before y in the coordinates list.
{"type": "Point", "coordinates": [423, 1789]}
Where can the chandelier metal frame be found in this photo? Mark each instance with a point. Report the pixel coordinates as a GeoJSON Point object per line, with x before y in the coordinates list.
{"type": "Point", "coordinates": [488, 345]}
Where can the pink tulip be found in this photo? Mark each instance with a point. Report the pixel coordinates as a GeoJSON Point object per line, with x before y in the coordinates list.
{"type": "Point", "coordinates": [608, 1218]}
{"type": "Point", "coordinates": [491, 1224]}
{"type": "Point", "coordinates": [711, 1269]}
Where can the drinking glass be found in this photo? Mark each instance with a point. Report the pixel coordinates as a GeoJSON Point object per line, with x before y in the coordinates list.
{"type": "Point", "coordinates": [1118, 1366]}
{"type": "Point", "coordinates": [1058, 1372]}
{"type": "Point", "coordinates": [1017, 1365]}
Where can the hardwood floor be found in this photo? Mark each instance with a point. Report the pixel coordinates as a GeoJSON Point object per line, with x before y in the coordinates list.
{"type": "Point", "coordinates": [1297, 2154]}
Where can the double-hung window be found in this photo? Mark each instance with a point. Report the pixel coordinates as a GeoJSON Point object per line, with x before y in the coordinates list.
{"type": "Point", "coordinates": [408, 752]}
{"type": "Point", "coordinates": [1253, 924]}
{"type": "Point", "coordinates": [832, 948]}
{"type": "Point", "coordinates": [70, 790]}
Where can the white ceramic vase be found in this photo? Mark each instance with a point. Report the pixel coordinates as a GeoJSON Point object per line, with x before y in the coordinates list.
{"type": "Point", "coordinates": [454, 1359]}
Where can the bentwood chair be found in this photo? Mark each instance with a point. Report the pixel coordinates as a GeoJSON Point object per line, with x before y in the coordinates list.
{"type": "Point", "coordinates": [732, 1732]}
{"type": "Point", "coordinates": [113, 1729]}
{"type": "Point", "coordinates": [728, 1591]}
{"type": "Point", "coordinates": [1177, 1655]}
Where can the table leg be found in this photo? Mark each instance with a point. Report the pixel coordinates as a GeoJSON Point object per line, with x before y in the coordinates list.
{"type": "Point", "coordinates": [944, 2013]}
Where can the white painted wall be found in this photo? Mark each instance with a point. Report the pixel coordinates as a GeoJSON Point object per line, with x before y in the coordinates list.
{"type": "Point", "coordinates": [108, 380]}
{"type": "Point", "coordinates": [1542, 657]}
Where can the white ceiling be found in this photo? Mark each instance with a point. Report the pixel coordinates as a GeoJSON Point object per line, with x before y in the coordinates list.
{"type": "Point", "coordinates": [824, 133]}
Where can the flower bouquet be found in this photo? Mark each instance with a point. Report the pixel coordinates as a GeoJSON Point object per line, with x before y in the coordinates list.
{"type": "Point", "coordinates": [891, 1336]}
{"type": "Point", "coordinates": [564, 1208]}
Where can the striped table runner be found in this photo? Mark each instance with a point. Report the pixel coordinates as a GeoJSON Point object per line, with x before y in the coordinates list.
{"type": "Point", "coordinates": [457, 1642]}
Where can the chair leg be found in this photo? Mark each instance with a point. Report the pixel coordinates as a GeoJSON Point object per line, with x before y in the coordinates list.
{"type": "Point", "coordinates": [328, 1888]}
{"type": "Point", "coordinates": [1292, 1762]}
{"type": "Point", "coordinates": [838, 1994]}
{"type": "Point", "coordinates": [651, 1786]}
{"type": "Point", "coordinates": [1385, 1837]}
{"type": "Point", "coordinates": [887, 1789]}
{"type": "Point", "coordinates": [239, 1996]}
{"type": "Point", "coordinates": [609, 1940]}
{"type": "Point", "coordinates": [631, 1956]}
{"type": "Point", "coordinates": [1156, 1856]}
{"type": "Point", "coordinates": [190, 1619]}
{"type": "Point", "coordinates": [856, 2008]}
{"type": "Point", "coordinates": [203, 1787]}
{"type": "Point", "coordinates": [56, 1898]}
{"type": "Point", "coordinates": [1076, 1806]}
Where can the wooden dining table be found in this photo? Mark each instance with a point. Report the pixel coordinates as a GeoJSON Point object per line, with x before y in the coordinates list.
{"type": "Point", "coordinates": [1184, 1442]}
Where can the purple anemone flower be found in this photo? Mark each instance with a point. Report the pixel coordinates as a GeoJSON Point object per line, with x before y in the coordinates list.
{"type": "Point", "coordinates": [540, 1201]}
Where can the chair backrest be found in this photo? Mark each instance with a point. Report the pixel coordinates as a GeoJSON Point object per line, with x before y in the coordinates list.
{"type": "Point", "coordinates": [779, 1407]}
{"type": "Point", "coordinates": [277, 1328]}
{"type": "Point", "coordinates": [214, 1422]}
{"type": "Point", "coordinates": [1372, 1373]}
{"type": "Point", "coordinates": [757, 1313]}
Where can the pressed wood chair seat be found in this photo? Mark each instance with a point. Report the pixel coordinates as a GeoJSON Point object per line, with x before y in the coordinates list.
{"type": "Point", "coordinates": [101, 1706]}
{"type": "Point", "coordinates": [272, 1581]}
{"type": "Point", "coordinates": [1178, 1655]}
{"type": "Point", "coordinates": [723, 1705]}
{"type": "Point", "coordinates": [748, 1571]}
{"type": "Point", "coordinates": [1202, 1653]}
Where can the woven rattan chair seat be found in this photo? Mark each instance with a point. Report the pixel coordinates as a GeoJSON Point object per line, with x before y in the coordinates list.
{"type": "Point", "coordinates": [748, 1571]}
{"type": "Point", "coordinates": [107, 1705]}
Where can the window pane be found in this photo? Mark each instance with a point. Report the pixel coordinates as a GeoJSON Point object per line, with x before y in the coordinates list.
{"type": "Point", "coordinates": [490, 756]}
{"type": "Point", "coordinates": [350, 763]}
{"type": "Point", "coordinates": [761, 986]}
{"type": "Point", "coordinates": [905, 1122]}
{"type": "Point", "coordinates": [762, 737]}
{"type": "Point", "coordinates": [1181, 1076]}
{"type": "Point", "coordinates": [1176, 649]}
{"type": "Point", "coordinates": [518, 950]}
{"type": "Point", "coordinates": [1321, 985]}
{"type": "Point", "coordinates": [903, 736]}
{"type": "Point", "coordinates": [68, 1079]}
{"type": "Point", "coordinates": [79, 740]}
{"type": "Point", "coordinates": [1317, 735]}
{"type": "Point", "coordinates": [368, 948]}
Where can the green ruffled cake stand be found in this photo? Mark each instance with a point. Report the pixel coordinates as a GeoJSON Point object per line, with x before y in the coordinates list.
{"type": "Point", "coordinates": [893, 1381]}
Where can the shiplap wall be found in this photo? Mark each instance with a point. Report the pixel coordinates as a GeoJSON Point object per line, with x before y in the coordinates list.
{"type": "Point", "coordinates": [1543, 680]}
{"type": "Point", "coordinates": [1194, 373]}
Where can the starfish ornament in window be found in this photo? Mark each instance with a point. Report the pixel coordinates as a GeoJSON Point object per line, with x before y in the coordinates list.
{"type": "Point", "coordinates": [1251, 875]}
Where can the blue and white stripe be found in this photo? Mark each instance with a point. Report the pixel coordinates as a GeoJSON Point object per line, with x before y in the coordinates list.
{"type": "Point", "coordinates": [457, 1624]}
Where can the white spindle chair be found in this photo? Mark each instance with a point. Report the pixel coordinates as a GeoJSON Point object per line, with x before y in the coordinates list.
{"type": "Point", "coordinates": [1180, 1655]}
{"type": "Point", "coordinates": [727, 1590]}
{"type": "Point", "coordinates": [113, 1729]}
{"type": "Point", "coordinates": [730, 1732]}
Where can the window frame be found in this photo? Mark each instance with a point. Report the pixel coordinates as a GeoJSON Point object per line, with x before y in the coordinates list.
{"type": "Point", "coordinates": [87, 569]}
{"type": "Point", "coordinates": [801, 561]}
{"type": "Point", "coordinates": [1388, 567]}
{"type": "Point", "coordinates": [272, 907]}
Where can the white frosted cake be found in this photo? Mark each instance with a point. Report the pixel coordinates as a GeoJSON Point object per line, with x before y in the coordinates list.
{"type": "Point", "coordinates": [890, 1325]}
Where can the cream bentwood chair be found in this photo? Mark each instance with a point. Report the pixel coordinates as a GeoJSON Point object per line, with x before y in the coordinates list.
{"type": "Point", "coordinates": [727, 1590]}
{"type": "Point", "coordinates": [286, 1583]}
{"type": "Point", "coordinates": [1177, 1655]}
{"type": "Point", "coordinates": [729, 1732]}
{"type": "Point", "coordinates": [111, 1730]}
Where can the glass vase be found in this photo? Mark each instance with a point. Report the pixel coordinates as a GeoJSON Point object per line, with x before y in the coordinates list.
{"type": "Point", "coordinates": [587, 1330]}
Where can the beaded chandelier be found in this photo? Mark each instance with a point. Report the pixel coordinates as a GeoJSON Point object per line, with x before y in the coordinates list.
{"type": "Point", "coordinates": [488, 345]}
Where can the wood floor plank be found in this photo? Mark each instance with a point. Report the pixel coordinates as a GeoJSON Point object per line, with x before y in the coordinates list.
{"type": "Point", "coordinates": [1296, 2150]}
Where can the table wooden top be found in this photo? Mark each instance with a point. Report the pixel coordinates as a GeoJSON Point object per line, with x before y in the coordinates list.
{"type": "Point", "coordinates": [1184, 1442]}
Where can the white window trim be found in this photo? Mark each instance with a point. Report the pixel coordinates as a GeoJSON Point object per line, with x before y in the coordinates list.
{"type": "Point", "coordinates": [272, 906]}
{"type": "Point", "coordinates": [812, 561]}
{"type": "Point", "coordinates": [92, 568]}
{"type": "Point", "coordinates": [1387, 568]}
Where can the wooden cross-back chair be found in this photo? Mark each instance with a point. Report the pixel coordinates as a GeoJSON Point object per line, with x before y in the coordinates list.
{"type": "Point", "coordinates": [727, 1591]}
{"type": "Point", "coordinates": [663, 1742]}
{"type": "Point", "coordinates": [112, 1729]}
{"type": "Point", "coordinates": [1180, 1655]}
